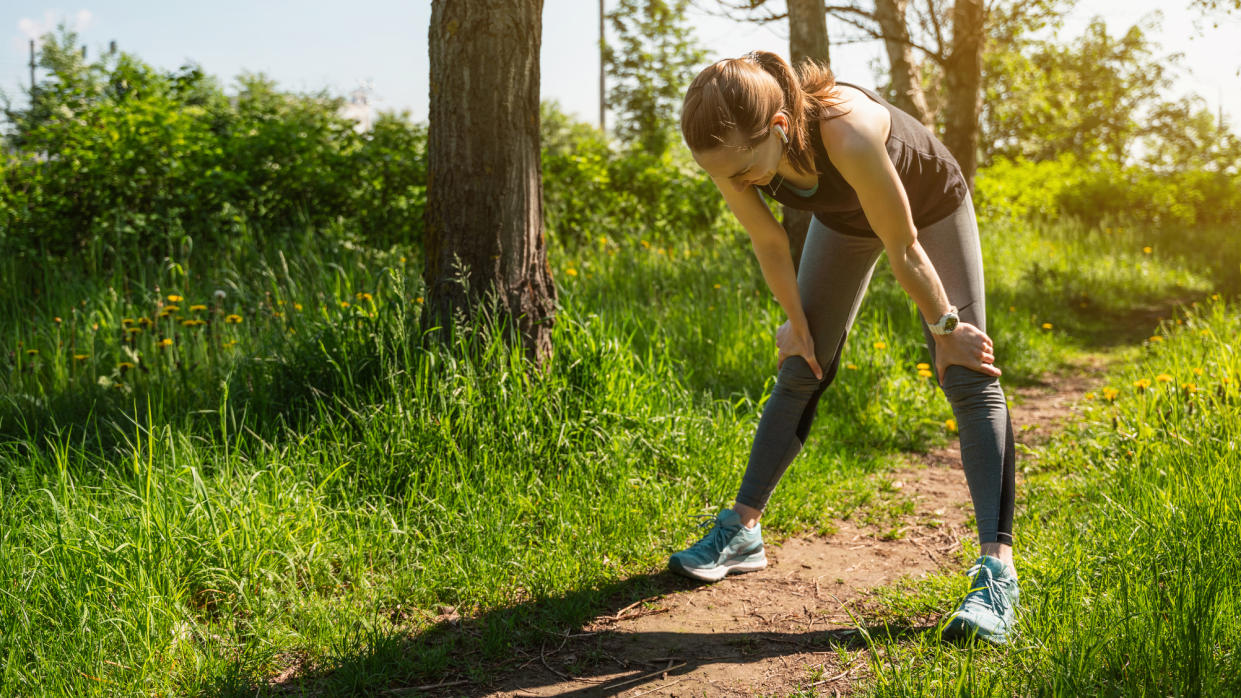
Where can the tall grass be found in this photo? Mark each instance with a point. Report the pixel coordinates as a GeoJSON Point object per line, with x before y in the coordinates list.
{"type": "Point", "coordinates": [1126, 544]}
{"type": "Point", "coordinates": [308, 486]}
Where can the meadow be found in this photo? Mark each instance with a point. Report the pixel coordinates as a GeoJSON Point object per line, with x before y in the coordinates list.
{"type": "Point", "coordinates": [221, 470]}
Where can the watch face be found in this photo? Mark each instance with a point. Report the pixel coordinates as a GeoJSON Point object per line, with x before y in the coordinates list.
{"type": "Point", "coordinates": [950, 323]}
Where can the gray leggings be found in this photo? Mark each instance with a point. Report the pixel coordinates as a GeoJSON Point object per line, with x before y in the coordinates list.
{"type": "Point", "coordinates": [832, 278]}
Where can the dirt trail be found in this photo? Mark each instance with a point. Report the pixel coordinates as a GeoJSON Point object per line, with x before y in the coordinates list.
{"type": "Point", "coordinates": [768, 632]}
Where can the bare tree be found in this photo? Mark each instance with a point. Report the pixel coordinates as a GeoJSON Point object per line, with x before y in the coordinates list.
{"type": "Point", "coordinates": [905, 81]}
{"type": "Point", "coordinates": [963, 78]}
{"type": "Point", "coordinates": [807, 41]}
{"type": "Point", "coordinates": [485, 249]}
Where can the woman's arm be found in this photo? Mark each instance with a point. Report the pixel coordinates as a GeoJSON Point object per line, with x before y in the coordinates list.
{"type": "Point", "coordinates": [856, 147]}
{"type": "Point", "coordinates": [771, 247]}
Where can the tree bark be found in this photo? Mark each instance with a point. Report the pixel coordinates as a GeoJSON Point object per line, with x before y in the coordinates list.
{"type": "Point", "coordinates": [963, 77]}
{"type": "Point", "coordinates": [903, 69]}
{"type": "Point", "coordinates": [485, 251]}
{"type": "Point", "coordinates": [807, 39]}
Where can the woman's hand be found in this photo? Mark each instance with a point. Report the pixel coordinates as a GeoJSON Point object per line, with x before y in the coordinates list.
{"type": "Point", "coordinates": [965, 346]}
{"type": "Point", "coordinates": [790, 343]}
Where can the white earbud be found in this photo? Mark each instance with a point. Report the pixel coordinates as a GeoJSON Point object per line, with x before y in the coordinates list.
{"type": "Point", "coordinates": [783, 137]}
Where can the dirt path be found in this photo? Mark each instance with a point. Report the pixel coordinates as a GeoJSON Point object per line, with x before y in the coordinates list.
{"type": "Point", "coordinates": [769, 632]}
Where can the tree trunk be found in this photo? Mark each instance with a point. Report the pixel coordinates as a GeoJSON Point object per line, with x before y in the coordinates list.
{"type": "Point", "coordinates": [906, 84]}
{"type": "Point", "coordinates": [807, 39]}
{"type": "Point", "coordinates": [963, 77]}
{"type": "Point", "coordinates": [485, 250]}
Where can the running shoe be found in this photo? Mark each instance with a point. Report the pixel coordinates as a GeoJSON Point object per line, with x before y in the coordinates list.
{"type": "Point", "coordinates": [989, 608]}
{"type": "Point", "coordinates": [729, 547]}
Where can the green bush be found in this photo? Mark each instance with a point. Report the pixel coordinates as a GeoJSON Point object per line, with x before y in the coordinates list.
{"type": "Point", "coordinates": [116, 161]}
{"type": "Point", "coordinates": [1097, 191]}
{"type": "Point", "coordinates": [589, 186]}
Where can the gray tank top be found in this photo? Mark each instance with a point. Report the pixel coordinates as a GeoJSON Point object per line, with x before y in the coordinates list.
{"type": "Point", "coordinates": [932, 178]}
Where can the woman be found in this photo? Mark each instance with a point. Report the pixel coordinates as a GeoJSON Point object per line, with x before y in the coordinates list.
{"type": "Point", "coordinates": [877, 180]}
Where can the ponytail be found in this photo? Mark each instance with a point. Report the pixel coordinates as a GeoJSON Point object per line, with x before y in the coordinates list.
{"type": "Point", "coordinates": [745, 93]}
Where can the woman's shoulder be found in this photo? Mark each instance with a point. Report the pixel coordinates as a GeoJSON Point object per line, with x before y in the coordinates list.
{"type": "Point", "coordinates": [854, 122]}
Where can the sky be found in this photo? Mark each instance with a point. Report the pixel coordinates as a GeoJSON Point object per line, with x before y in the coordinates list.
{"type": "Point", "coordinates": [310, 45]}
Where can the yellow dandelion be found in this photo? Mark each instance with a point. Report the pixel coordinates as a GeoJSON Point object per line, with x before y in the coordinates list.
{"type": "Point", "coordinates": [951, 424]}
{"type": "Point", "coordinates": [1156, 338]}
{"type": "Point", "coordinates": [710, 307]}
{"type": "Point", "coordinates": [1189, 387]}
{"type": "Point", "coordinates": [402, 260]}
{"type": "Point", "coordinates": [276, 313]}
{"type": "Point", "coordinates": [1090, 396]}
{"type": "Point", "coordinates": [344, 304]}
{"type": "Point", "coordinates": [126, 322]}
{"type": "Point", "coordinates": [170, 309]}
{"type": "Point", "coordinates": [1147, 249]}
{"type": "Point", "coordinates": [1142, 383]}
{"type": "Point", "coordinates": [851, 367]}
{"type": "Point", "coordinates": [280, 302]}
{"type": "Point", "coordinates": [233, 319]}
{"type": "Point", "coordinates": [924, 373]}
{"type": "Point", "coordinates": [124, 365]}
{"type": "Point", "coordinates": [230, 343]}
{"type": "Point", "coordinates": [1110, 394]}
{"type": "Point", "coordinates": [603, 240]}
{"type": "Point", "coordinates": [81, 357]}
{"type": "Point", "coordinates": [298, 306]}
{"type": "Point", "coordinates": [923, 366]}
{"type": "Point", "coordinates": [144, 321]}
{"type": "Point", "coordinates": [1214, 296]}
{"type": "Point", "coordinates": [1012, 308]}
{"type": "Point", "coordinates": [418, 299]}
{"type": "Point", "coordinates": [56, 320]}
{"type": "Point", "coordinates": [1198, 372]}
{"type": "Point", "coordinates": [197, 308]}
{"type": "Point", "coordinates": [174, 298]}
{"type": "Point", "coordinates": [662, 251]}
{"type": "Point", "coordinates": [717, 286]}
{"type": "Point", "coordinates": [571, 271]}
{"type": "Point", "coordinates": [881, 345]}
{"type": "Point", "coordinates": [645, 244]}
{"type": "Point", "coordinates": [1204, 333]}
{"type": "Point", "coordinates": [1047, 325]}
{"type": "Point", "coordinates": [134, 330]}
{"type": "Point", "coordinates": [363, 296]}
{"type": "Point", "coordinates": [32, 352]}
{"type": "Point", "coordinates": [165, 342]}
{"type": "Point", "coordinates": [1163, 378]}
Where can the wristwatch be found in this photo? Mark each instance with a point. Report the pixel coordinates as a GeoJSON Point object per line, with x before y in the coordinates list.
{"type": "Point", "coordinates": [946, 323]}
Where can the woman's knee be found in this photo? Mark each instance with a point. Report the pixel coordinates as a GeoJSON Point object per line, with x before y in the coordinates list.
{"type": "Point", "coordinates": [796, 376]}
{"type": "Point", "coordinates": [962, 384]}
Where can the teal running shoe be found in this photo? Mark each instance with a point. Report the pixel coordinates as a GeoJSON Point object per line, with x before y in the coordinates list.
{"type": "Point", "coordinates": [989, 609]}
{"type": "Point", "coordinates": [729, 547]}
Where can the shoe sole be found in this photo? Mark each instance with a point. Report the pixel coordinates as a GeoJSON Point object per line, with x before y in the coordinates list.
{"type": "Point", "coordinates": [965, 631]}
{"type": "Point", "coordinates": [714, 574]}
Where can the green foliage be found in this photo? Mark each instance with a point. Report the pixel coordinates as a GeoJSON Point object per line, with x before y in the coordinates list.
{"type": "Point", "coordinates": [589, 187]}
{"type": "Point", "coordinates": [651, 64]}
{"type": "Point", "coordinates": [1086, 97]}
{"type": "Point", "coordinates": [1101, 191]}
{"type": "Point", "coordinates": [116, 160]}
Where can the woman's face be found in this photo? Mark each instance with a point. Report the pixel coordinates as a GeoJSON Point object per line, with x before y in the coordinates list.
{"type": "Point", "coordinates": [739, 166]}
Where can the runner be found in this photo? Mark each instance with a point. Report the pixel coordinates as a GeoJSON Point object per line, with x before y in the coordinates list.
{"type": "Point", "coordinates": [877, 180]}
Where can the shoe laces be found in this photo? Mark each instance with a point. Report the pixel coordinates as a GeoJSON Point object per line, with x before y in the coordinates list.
{"type": "Point", "coordinates": [715, 539]}
{"type": "Point", "coordinates": [986, 591]}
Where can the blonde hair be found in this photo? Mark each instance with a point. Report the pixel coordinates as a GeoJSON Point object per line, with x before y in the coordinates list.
{"type": "Point", "coordinates": [745, 93]}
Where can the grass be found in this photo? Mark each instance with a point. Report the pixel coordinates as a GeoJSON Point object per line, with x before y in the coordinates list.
{"type": "Point", "coordinates": [1128, 561]}
{"type": "Point", "coordinates": [311, 489]}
